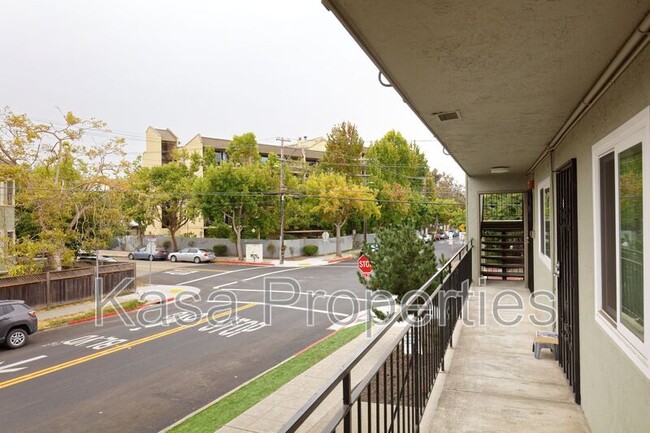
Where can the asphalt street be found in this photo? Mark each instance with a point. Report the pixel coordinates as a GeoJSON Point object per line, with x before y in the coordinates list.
{"type": "Point", "coordinates": [143, 371]}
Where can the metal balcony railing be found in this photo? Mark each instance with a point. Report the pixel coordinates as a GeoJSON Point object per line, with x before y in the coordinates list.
{"type": "Point", "coordinates": [393, 395]}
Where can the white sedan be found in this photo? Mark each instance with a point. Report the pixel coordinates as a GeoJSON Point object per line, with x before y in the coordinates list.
{"type": "Point", "coordinates": [195, 255]}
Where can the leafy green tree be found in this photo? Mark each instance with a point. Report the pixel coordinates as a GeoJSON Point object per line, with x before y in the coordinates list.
{"type": "Point", "coordinates": [243, 150]}
{"type": "Point", "coordinates": [334, 199]}
{"type": "Point", "coordinates": [169, 188]}
{"type": "Point", "coordinates": [402, 263]}
{"type": "Point", "coordinates": [393, 160]}
{"type": "Point", "coordinates": [137, 203]}
{"type": "Point", "coordinates": [243, 195]}
{"type": "Point", "coordinates": [70, 186]}
{"type": "Point", "coordinates": [343, 150]}
{"type": "Point", "coordinates": [395, 201]}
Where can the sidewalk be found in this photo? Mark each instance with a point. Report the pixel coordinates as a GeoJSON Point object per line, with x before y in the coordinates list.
{"type": "Point", "coordinates": [288, 262]}
{"type": "Point", "coordinates": [149, 294]}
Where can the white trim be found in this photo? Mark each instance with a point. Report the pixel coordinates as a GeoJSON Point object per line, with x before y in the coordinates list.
{"type": "Point", "coordinates": [634, 131]}
{"type": "Point", "coordinates": [544, 184]}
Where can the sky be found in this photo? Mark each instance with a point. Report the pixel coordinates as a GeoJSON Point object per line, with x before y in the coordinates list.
{"type": "Point", "coordinates": [218, 68]}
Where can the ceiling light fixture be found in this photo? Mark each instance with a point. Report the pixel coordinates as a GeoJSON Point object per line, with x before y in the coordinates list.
{"type": "Point", "coordinates": [500, 169]}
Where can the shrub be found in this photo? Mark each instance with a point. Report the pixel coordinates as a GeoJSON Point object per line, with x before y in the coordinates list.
{"type": "Point", "coordinates": [220, 230]}
{"type": "Point", "coordinates": [310, 250]}
{"type": "Point", "coordinates": [220, 250]}
{"type": "Point", "coordinates": [167, 245]}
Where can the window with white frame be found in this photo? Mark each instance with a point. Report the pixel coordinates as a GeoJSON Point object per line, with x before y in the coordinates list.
{"type": "Point", "coordinates": [544, 220]}
{"type": "Point", "coordinates": [621, 167]}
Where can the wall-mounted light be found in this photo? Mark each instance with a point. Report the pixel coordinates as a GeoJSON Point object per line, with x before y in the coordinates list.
{"type": "Point", "coordinates": [500, 169]}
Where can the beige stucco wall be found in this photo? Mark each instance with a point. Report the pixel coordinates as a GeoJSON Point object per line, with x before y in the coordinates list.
{"type": "Point", "coordinates": [615, 393]}
{"type": "Point", "coordinates": [476, 186]}
{"type": "Point", "coordinates": [152, 156]}
{"type": "Point", "coordinates": [543, 277]}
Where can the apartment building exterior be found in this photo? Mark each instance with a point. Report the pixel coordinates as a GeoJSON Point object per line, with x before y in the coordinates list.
{"type": "Point", "coordinates": [550, 100]}
{"type": "Point", "coordinates": [161, 144]}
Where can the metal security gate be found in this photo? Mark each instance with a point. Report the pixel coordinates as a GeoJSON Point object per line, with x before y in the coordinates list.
{"type": "Point", "coordinates": [567, 275]}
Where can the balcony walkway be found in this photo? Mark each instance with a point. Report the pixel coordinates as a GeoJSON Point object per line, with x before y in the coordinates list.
{"type": "Point", "coordinates": [495, 384]}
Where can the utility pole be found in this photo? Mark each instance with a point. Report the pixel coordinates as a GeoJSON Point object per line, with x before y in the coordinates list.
{"type": "Point", "coordinates": [282, 140]}
{"type": "Point", "coordinates": [365, 183]}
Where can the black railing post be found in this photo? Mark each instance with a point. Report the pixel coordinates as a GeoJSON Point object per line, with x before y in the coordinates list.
{"type": "Point", "coordinates": [347, 400]}
{"type": "Point", "coordinates": [409, 370]}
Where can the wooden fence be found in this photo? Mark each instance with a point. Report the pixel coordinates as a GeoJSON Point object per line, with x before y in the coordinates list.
{"type": "Point", "coordinates": [64, 287]}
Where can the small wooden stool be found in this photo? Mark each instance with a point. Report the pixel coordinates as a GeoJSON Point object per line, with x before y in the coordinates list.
{"type": "Point", "coordinates": [545, 340]}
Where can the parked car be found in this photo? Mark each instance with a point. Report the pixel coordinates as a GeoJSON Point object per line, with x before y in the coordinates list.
{"type": "Point", "coordinates": [369, 248]}
{"type": "Point", "coordinates": [195, 255]}
{"type": "Point", "coordinates": [443, 235]}
{"type": "Point", "coordinates": [143, 254]}
{"type": "Point", "coordinates": [17, 321]}
{"type": "Point", "coordinates": [91, 257]}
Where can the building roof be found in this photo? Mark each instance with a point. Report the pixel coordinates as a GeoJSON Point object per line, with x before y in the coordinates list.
{"type": "Point", "coordinates": [266, 149]}
{"type": "Point", "coordinates": [166, 134]}
{"type": "Point", "coordinates": [215, 143]}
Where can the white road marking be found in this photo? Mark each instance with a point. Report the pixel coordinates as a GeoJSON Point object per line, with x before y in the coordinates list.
{"type": "Point", "coordinates": [9, 367]}
{"type": "Point", "coordinates": [270, 273]}
{"type": "Point", "coordinates": [215, 276]}
{"type": "Point", "coordinates": [180, 272]}
{"type": "Point", "coordinates": [308, 293]}
{"type": "Point", "coordinates": [290, 307]}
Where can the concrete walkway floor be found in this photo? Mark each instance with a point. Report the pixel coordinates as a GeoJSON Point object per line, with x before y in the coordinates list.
{"type": "Point", "coordinates": [495, 384]}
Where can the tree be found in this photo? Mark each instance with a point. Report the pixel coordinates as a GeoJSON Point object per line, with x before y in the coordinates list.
{"type": "Point", "coordinates": [343, 150]}
{"type": "Point", "coordinates": [393, 160]}
{"type": "Point", "coordinates": [402, 263]}
{"type": "Point", "coordinates": [334, 200]}
{"type": "Point", "coordinates": [242, 195]}
{"type": "Point", "coordinates": [137, 202]}
{"type": "Point", "coordinates": [243, 149]}
{"type": "Point", "coordinates": [70, 187]}
{"type": "Point", "coordinates": [169, 189]}
{"type": "Point", "coordinates": [395, 201]}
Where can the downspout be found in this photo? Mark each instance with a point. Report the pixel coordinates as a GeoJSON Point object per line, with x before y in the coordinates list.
{"type": "Point", "coordinates": [626, 55]}
{"type": "Point", "coordinates": [554, 276]}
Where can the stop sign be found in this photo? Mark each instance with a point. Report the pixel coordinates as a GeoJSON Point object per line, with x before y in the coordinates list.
{"type": "Point", "coordinates": [364, 265]}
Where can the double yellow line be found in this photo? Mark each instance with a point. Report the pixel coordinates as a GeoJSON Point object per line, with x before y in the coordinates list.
{"type": "Point", "coordinates": [114, 349]}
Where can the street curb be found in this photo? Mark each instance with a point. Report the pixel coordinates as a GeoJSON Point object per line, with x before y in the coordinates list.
{"type": "Point", "coordinates": [237, 262]}
{"type": "Point", "coordinates": [215, 401]}
{"type": "Point", "coordinates": [339, 259]}
{"type": "Point", "coordinates": [114, 313]}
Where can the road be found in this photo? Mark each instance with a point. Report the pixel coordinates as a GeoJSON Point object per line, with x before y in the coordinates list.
{"type": "Point", "coordinates": [144, 376]}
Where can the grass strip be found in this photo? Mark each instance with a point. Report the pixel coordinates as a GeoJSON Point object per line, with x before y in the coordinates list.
{"type": "Point", "coordinates": [64, 320]}
{"type": "Point", "coordinates": [233, 405]}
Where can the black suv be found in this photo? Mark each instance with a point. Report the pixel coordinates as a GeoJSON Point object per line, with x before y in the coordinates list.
{"type": "Point", "coordinates": [17, 321]}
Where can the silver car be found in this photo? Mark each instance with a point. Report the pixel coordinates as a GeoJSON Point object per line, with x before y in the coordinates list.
{"type": "Point", "coordinates": [195, 255]}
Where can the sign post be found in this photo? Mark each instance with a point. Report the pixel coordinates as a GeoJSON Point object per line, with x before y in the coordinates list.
{"type": "Point", "coordinates": [151, 249]}
{"type": "Point", "coordinates": [364, 265]}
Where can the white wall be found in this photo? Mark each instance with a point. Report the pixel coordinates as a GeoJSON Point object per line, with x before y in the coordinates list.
{"type": "Point", "coordinates": [293, 246]}
{"type": "Point", "coordinates": [615, 393]}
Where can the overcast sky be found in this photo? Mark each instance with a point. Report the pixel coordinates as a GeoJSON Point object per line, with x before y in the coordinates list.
{"type": "Point", "coordinates": [219, 68]}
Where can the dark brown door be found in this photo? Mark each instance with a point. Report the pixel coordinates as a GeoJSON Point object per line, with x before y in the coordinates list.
{"type": "Point", "coordinates": [567, 274]}
{"type": "Point", "coordinates": [529, 239]}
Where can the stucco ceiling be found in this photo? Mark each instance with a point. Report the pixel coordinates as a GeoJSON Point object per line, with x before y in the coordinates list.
{"type": "Point", "coordinates": [515, 69]}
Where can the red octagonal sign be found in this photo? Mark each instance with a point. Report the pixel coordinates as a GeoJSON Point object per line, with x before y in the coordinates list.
{"type": "Point", "coordinates": [364, 265]}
